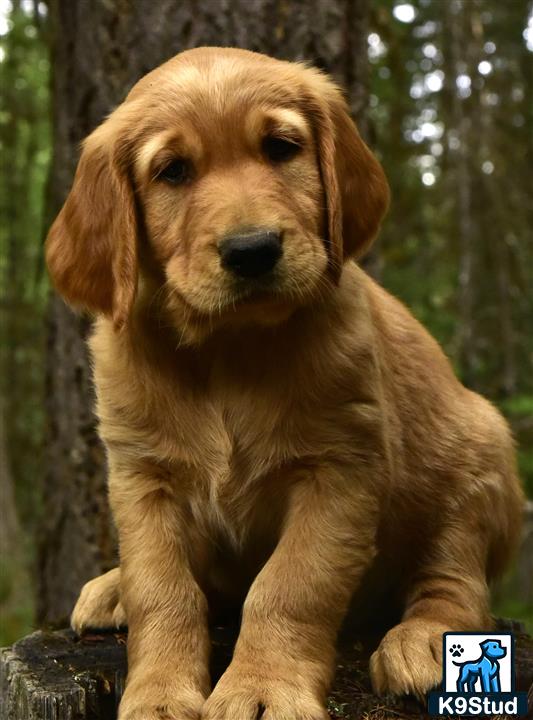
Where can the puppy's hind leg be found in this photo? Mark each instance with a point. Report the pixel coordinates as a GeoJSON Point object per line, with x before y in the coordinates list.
{"type": "Point", "coordinates": [448, 593]}
{"type": "Point", "coordinates": [477, 532]}
{"type": "Point", "coordinates": [99, 606]}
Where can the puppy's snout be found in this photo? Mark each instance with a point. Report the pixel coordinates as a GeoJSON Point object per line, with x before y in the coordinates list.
{"type": "Point", "coordinates": [250, 255]}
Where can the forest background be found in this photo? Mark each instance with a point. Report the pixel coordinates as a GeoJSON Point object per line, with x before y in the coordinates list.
{"type": "Point", "coordinates": [443, 91]}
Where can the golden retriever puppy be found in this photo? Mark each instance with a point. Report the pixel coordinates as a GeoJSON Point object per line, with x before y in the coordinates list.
{"type": "Point", "coordinates": [276, 424]}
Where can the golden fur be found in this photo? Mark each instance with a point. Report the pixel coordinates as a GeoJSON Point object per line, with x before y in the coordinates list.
{"type": "Point", "coordinates": [268, 439]}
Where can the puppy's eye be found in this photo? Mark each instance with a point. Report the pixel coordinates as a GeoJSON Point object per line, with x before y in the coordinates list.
{"type": "Point", "coordinates": [176, 172]}
{"type": "Point", "coordinates": [280, 149]}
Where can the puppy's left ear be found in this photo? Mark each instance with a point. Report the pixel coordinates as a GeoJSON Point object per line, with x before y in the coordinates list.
{"type": "Point", "coordinates": [355, 187]}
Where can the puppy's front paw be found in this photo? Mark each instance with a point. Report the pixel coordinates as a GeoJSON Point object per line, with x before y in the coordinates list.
{"type": "Point", "coordinates": [156, 703]}
{"type": "Point", "coordinates": [98, 605]}
{"type": "Point", "coordinates": [409, 659]}
{"type": "Point", "coordinates": [247, 694]}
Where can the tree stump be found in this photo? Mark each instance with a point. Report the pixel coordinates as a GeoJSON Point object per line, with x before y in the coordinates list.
{"type": "Point", "coordinates": [59, 676]}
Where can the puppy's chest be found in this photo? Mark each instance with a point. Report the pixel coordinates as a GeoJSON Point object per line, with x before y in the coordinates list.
{"type": "Point", "coordinates": [239, 454]}
{"type": "Point", "coordinates": [239, 442]}
{"type": "Point", "coordinates": [229, 438]}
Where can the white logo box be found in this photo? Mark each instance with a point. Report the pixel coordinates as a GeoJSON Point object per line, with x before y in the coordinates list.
{"type": "Point", "coordinates": [466, 647]}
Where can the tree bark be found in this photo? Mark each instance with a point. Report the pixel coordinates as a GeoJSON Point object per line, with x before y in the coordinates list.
{"type": "Point", "coordinates": [9, 522]}
{"type": "Point", "coordinates": [455, 18]}
{"type": "Point", "coordinates": [57, 676]}
{"type": "Point", "coordinates": [99, 50]}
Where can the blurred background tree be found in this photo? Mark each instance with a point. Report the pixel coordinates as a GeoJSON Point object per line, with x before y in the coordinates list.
{"type": "Point", "coordinates": [448, 106]}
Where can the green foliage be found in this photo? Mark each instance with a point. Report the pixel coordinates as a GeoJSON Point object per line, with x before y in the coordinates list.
{"type": "Point", "coordinates": [513, 608]}
{"type": "Point", "coordinates": [520, 406]}
{"type": "Point", "coordinates": [452, 116]}
{"type": "Point", "coordinates": [25, 149]}
{"type": "Point", "coordinates": [519, 411]}
{"type": "Point", "coordinates": [16, 602]}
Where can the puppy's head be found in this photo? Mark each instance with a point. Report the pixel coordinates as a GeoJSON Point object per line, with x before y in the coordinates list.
{"type": "Point", "coordinates": [231, 184]}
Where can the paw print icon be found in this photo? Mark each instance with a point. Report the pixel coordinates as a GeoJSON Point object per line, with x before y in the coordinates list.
{"type": "Point", "coordinates": [456, 650]}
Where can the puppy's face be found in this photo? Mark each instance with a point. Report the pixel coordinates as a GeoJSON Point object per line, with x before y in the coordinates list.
{"type": "Point", "coordinates": [234, 185]}
{"type": "Point", "coordinates": [230, 190]}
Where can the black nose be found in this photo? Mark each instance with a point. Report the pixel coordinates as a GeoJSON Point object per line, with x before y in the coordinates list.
{"type": "Point", "coordinates": [252, 254]}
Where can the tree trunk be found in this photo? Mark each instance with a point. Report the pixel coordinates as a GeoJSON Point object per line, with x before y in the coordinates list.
{"type": "Point", "coordinates": [14, 580]}
{"type": "Point", "coordinates": [9, 525]}
{"type": "Point", "coordinates": [462, 149]}
{"type": "Point", "coordinates": [58, 676]}
{"type": "Point", "coordinates": [99, 49]}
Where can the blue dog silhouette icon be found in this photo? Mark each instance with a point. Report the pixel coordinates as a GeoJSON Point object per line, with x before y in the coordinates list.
{"type": "Point", "coordinates": [486, 669]}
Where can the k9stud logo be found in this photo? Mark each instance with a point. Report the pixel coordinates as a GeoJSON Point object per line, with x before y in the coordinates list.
{"type": "Point", "coordinates": [478, 677]}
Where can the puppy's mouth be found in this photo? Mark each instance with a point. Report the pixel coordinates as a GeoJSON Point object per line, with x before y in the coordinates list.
{"type": "Point", "coordinates": [271, 292]}
{"type": "Point", "coordinates": [248, 307]}
{"type": "Point", "coordinates": [264, 299]}
{"type": "Point", "coordinates": [258, 290]}
{"type": "Point", "coordinates": [266, 293]}
{"type": "Point", "coordinates": [256, 300]}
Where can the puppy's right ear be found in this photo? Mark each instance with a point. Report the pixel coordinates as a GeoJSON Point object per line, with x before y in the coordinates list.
{"type": "Point", "coordinates": [91, 249]}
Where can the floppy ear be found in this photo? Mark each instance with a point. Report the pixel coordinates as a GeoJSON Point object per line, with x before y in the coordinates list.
{"type": "Point", "coordinates": [355, 187]}
{"type": "Point", "coordinates": [91, 249]}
